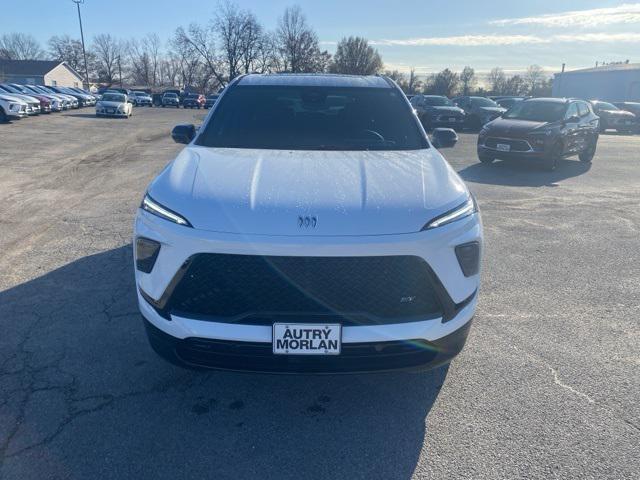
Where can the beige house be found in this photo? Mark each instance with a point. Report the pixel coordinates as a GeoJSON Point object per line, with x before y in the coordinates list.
{"type": "Point", "coordinates": [39, 72]}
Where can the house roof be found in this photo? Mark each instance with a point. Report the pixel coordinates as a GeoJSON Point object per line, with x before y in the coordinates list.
{"type": "Point", "coordinates": [30, 67]}
{"type": "Point", "coordinates": [605, 68]}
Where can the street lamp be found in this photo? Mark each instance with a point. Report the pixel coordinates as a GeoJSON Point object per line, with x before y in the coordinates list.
{"type": "Point", "coordinates": [84, 52]}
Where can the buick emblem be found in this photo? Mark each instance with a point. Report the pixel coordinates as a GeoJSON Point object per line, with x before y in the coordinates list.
{"type": "Point", "coordinates": [305, 221]}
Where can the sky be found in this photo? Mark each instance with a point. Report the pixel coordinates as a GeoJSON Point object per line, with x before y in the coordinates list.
{"type": "Point", "coordinates": [423, 34]}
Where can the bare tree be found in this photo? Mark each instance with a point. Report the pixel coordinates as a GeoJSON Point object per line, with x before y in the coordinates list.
{"type": "Point", "coordinates": [414, 84]}
{"type": "Point", "coordinates": [69, 50]}
{"type": "Point", "coordinates": [398, 77]}
{"type": "Point", "coordinates": [108, 51]}
{"type": "Point", "coordinates": [534, 77]}
{"type": "Point", "coordinates": [202, 41]}
{"type": "Point", "coordinates": [20, 46]}
{"type": "Point", "coordinates": [515, 85]}
{"type": "Point", "coordinates": [355, 56]}
{"type": "Point", "coordinates": [444, 83]}
{"type": "Point", "coordinates": [152, 46]}
{"type": "Point", "coordinates": [298, 43]}
{"type": "Point", "coordinates": [468, 80]}
{"type": "Point", "coordinates": [497, 80]}
{"type": "Point", "coordinates": [239, 35]}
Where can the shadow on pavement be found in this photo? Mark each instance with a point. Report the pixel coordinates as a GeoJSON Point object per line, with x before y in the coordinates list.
{"type": "Point", "coordinates": [521, 174]}
{"type": "Point", "coordinates": [82, 395]}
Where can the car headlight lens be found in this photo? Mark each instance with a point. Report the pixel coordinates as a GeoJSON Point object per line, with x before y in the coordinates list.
{"type": "Point", "coordinates": [153, 207]}
{"type": "Point", "coordinates": [469, 207]}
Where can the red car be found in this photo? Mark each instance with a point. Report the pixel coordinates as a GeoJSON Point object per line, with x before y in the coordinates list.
{"type": "Point", "coordinates": [193, 100]}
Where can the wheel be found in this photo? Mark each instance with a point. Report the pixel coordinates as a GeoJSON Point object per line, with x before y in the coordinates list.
{"type": "Point", "coordinates": [163, 106]}
{"type": "Point", "coordinates": [588, 153]}
{"type": "Point", "coordinates": [552, 160]}
{"type": "Point", "coordinates": [3, 116]}
{"type": "Point", "coordinates": [486, 159]}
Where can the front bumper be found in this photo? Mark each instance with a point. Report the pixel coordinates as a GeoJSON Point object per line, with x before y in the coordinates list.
{"type": "Point", "coordinates": [250, 339]}
{"type": "Point", "coordinates": [522, 148]}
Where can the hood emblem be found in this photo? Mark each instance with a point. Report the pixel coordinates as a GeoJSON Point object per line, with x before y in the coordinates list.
{"type": "Point", "coordinates": [307, 221]}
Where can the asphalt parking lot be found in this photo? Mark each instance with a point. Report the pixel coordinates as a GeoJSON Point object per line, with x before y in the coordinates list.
{"type": "Point", "coordinates": [547, 386]}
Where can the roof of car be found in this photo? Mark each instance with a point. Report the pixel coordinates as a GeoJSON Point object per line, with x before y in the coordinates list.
{"type": "Point", "coordinates": [314, 80]}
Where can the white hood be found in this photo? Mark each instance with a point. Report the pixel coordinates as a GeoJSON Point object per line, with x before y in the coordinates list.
{"type": "Point", "coordinates": [350, 193]}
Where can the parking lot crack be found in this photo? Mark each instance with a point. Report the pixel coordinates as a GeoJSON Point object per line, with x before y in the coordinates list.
{"type": "Point", "coordinates": [560, 383]}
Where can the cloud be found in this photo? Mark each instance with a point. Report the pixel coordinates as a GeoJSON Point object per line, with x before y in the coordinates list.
{"type": "Point", "coordinates": [462, 40]}
{"type": "Point", "coordinates": [626, 13]}
{"type": "Point", "coordinates": [502, 40]}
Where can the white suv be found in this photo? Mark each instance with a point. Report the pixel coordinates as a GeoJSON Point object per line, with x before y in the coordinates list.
{"type": "Point", "coordinates": [11, 108]}
{"type": "Point", "coordinates": [308, 226]}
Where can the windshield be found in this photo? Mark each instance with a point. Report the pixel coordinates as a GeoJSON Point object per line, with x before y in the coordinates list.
{"type": "Point", "coordinates": [312, 118]}
{"type": "Point", "coordinates": [139, 94]}
{"type": "Point", "coordinates": [11, 89]}
{"type": "Point", "coordinates": [113, 97]}
{"type": "Point", "coordinates": [537, 111]}
{"type": "Point", "coordinates": [438, 101]}
{"type": "Point", "coordinates": [483, 102]}
{"type": "Point", "coordinates": [170, 95]}
{"type": "Point", "coordinates": [607, 106]}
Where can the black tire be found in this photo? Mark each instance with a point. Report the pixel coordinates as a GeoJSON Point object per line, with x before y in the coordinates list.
{"type": "Point", "coordinates": [554, 157]}
{"type": "Point", "coordinates": [3, 116]}
{"type": "Point", "coordinates": [486, 159]}
{"type": "Point", "coordinates": [162, 106]}
{"type": "Point", "coordinates": [588, 153]}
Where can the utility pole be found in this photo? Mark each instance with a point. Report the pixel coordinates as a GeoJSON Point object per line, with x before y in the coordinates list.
{"type": "Point", "coordinates": [84, 52]}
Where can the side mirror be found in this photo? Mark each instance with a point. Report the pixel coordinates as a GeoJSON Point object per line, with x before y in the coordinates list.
{"type": "Point", "coordinates": [444, 137]}
{"type": "Point", "coordinates": [573, 119]}
{"type": "Point", "coordinates": [183, 133]}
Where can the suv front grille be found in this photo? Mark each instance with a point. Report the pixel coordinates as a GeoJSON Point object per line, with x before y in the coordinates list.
{"type": "Point", "coordinates": [262, 289]}
{"type": "Point", "coordinates": [515, 144]}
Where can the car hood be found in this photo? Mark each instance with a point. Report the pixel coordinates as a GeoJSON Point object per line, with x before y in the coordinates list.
{"type": "Point", "coordinates": [12, 98]}
{"type": "Point", "coordinates": [265, 192]}
{"type": "Point", "coordinates": [24, 97]}
{"type": "Point", "coordinates": [512, 128]}
{"type": "Point", "coordinates": [493, 109]}
{"type": "Point", "coordinates": [103, 103]}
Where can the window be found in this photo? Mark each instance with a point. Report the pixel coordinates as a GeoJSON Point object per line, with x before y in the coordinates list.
{"type": "Point", "coordinates": [75, 84]}
{"type": "Point", "coordinates": [54, 83]}
{"type": "Point", "coordinates": [537, 111]}
{"type": "Point", "coordinates": [572, 111]}
{"type": "Point", "coordinates": [313, 118]}
{"type": "Point", "coordinates": [583, 109]}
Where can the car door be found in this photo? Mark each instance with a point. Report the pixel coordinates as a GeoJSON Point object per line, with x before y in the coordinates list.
{"type": "Point", "coordinates": [587, 126]}
{"type": "Point", "coordinates": [572, 127]}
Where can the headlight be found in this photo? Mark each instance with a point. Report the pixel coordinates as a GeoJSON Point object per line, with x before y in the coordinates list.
{"type": "Point", "coordinates": [469, 207]}
{"type": "Point", "coordinates": [151, 206]}
{"type": "Point", "coordinates": [14, 107]}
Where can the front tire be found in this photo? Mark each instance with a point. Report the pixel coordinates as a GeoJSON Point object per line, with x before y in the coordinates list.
{"type": "Point", "coordinates": [554, 157]}
{"type": "Point", "coordinates": [3, 116]}
{"type": "Point", "coordinates": [487, 160]}
{"type": "Point", "coordinates": [588, 153]}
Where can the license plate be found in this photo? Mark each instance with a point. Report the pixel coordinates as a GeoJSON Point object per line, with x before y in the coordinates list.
{"type": "Point", "coordinates": [307, 339]}
{"type": "Point", "coordinates": [452, 119]}
{"type": "Point", "coordinates": [110, 110]}
{"type": "Point", "coordinates": [503, 147]}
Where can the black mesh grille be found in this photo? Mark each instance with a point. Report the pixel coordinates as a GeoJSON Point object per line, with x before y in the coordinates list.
{"type": "Point", "coordinates": [258, 289]}
{"type": "Point", "coordinates": [516, 145]}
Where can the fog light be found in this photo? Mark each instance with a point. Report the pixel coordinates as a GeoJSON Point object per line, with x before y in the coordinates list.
{"type": "Point", "coordinates": [469, 258]}
{"type": "Point", "coordinates": [146, 254]}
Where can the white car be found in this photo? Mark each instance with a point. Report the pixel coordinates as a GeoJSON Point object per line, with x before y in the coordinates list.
{"type": "Point", "coordinates": [114, 105]}
{"type": "Point", "coordinates": [33, 104]}
{"type": "Point", "coordinates": [11, 108]}
{"type": "Point", "coordinates": [308, 226]}
{"type": "Point", "coordinates": [139, 98]}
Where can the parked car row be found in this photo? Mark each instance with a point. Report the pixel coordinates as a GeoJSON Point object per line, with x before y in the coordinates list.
{"type": "Point", "coordinates": [19, 101]}
{"type": "Point", "coordinates": [473, 112]}
{"type": "Point", "coordinates": [464, 112]}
